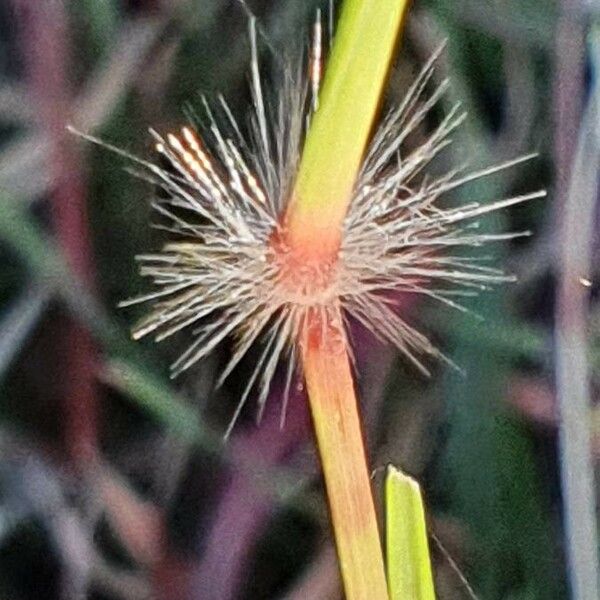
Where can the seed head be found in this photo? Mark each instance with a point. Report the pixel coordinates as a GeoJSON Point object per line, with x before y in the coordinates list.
{"type": "Point", "coordinates": [230, 271]}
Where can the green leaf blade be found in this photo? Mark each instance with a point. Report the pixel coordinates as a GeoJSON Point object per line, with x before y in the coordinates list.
{"type": "Point", "coordinates": [408, 561]}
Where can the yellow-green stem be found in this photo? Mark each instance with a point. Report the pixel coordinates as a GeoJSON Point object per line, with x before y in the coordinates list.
{"type": "Point", "coordinates": [355, 76]}
{"type": "Point", "coordinates": [340, 440]}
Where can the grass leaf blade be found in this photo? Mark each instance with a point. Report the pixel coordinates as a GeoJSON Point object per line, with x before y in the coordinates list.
{"type": "Point", "coordinates": [408, 562]}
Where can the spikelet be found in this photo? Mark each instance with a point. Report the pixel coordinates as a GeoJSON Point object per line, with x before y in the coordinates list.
{"type": "Point", "coordinates": [229, 272]}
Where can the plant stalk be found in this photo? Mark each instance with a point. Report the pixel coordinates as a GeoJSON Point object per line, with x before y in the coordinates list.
{"type": "Point", "coordinates": [355, 76]}
{"type": "Point", "coordinates": [572, 369]}
{"type": "Point", "coordinates": [349, 101]}
{"type": "Point", "coordinates": [337, 426]}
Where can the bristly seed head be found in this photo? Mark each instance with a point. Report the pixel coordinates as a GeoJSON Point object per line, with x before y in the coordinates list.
{"type": "Point", "coordinates": [231, 271]}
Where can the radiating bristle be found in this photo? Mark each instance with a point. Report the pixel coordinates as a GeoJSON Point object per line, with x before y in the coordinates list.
{"type": "Point", "coordinates": [316, 61]}
{"type": "Point", "coordinates": [231, 273]}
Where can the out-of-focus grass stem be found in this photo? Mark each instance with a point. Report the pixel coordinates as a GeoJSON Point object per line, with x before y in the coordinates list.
{"type": "Point", "coordinates": [572, 376]}
{"type": "Point", "coordinates": [45, 38]}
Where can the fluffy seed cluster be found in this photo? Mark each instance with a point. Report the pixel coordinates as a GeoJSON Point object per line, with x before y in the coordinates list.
{"type": "Point", "coordinates": [226, 189]}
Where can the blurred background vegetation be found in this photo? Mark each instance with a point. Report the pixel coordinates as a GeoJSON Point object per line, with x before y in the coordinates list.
{"type": "Point", "coordinates": [114, 481]}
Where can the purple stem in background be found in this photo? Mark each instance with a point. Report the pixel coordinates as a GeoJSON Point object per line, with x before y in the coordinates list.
{"type": "Point", "coordinates": [44, 31]}
{"type": "Point", "coordinates": [245, 509]}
